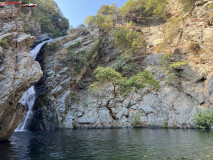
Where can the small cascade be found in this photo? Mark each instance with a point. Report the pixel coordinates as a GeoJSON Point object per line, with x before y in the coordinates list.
{"type": "Point", "coordinates": [28, 97]}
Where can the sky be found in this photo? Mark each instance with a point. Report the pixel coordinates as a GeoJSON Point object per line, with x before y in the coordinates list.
{"type": "Point", "coordinates": [78, 10]}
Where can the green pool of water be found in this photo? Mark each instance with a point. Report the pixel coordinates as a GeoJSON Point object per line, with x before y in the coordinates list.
{"type": "Point", "coordinates": [109, 144]}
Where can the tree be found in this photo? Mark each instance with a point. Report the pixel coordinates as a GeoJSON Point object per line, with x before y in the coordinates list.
{"type": "Point", "coordinates": [49, 17]}
{"type": "Point", "coordinates": [129, 40]}
{"type": "Point", "coordinates": [122, 85]}
{"type": "Point", "coordinates": [108, 9]}
{"type": "Point", "coordinates": [144, 8]}
{"type": "Point", "coordinates": [90, 20]}
{"type": "Point", "coordinates": [105, 18]}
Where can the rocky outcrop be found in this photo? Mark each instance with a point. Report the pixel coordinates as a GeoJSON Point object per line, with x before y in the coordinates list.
{"type": "Point", "coordinates": [64, 100]}
{"type": "Point", "coordinates": [18, 70]}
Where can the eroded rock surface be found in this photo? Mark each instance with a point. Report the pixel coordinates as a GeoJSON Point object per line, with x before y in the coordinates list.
{"type": "Point", "coordinates": [18, 70]}
{"type": "Point", "coordinates": [64, 100]}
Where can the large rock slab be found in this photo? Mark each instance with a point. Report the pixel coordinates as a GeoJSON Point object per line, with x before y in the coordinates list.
{"type": "Point", "coordinates": [18, 72]}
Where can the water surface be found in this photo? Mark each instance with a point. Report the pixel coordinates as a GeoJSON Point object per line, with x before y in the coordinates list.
{"type": "Point", "coordinates": [109, 144]}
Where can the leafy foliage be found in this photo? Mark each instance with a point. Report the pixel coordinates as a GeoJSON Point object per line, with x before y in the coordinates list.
{"type": "Point", "coordinates": [108, 9]}
{"type": "Point", "coordinates": [187, 4]}
{"type": "Point", "coordinates": [129, 40]}
{"type": "Point", "coordinates": [137, 82]}
{"type": "Point", "coordinates": [3, 43]}
{"type": "Point", "coordinates": [49, 17]}
{"type": "Point", "coordinates": [124, 85]}
{"type": "Point", "coordinates": [90, 20]}
{"type": "Point", "coordinates": [53, 47]}
{"type": "Point", "coordinates": [104, 23]}
{"type": "Point", "coordinates": [105, 18]}
{"type": "Point", "coordinates": [168, 64]}
{"type": "Point", "coordinates": [204, 120]}
{"type": "Point", "coordinates": [136, 119]}
{"type": "Point", "coordinates": [73, 46]}
{"type": "Point", "coordinates": [107, 75]}
{"type": "Point", "coordinates": [146, 8]}
{"type": "Point", "coordinates": [78, 59]}
{"type": "Point", "coordinates": [126, 65]}
{"type": "Point", "coordinates": [81, 59]}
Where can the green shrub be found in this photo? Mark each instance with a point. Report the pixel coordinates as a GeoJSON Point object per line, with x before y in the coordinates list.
{"type": "Point", "coordinates": [165, 124]}
{"type": "Point", "coordinates": [126, 65]}
{"type": "Point", "coordinates": [73, 46]}
{"type": "Point", "coordinates": [168, 64]}
{"type": "Point", "coordinates": [120, 84]}
{"type": "Point", "coordinates": [136, 119]}
{"type": "Point", "coordinates": [3, 43]}
{"type": "Point", "coordinates": [204, 119]}
{"type": "Point", "coordinates": [75, 124]}
{"type": "Point", "coordinates": [104, 23]}
{"type": "Point", "coordinates": [53, 47]}
{"type": "Point", "coordinates": [105, 18]}
{"type": "Point", "coordinates": [124, 85]}
{"type": "Point", "coordinates": [49, 17]}
{"type": "Point", "coordinates": [187, 4]}
{"type": "Point", "coordinates": [108, 9]}
{"type": "Point", "coordinates": [145, 8]}
{"type": "Point", "coordinates": [90, 20]}
{"type": "Point", "coordinates": [79, 60]}
{"type": "Point", "coordinates": [94, 49]}
{"type": "Point", "coordinates": [129, 40]}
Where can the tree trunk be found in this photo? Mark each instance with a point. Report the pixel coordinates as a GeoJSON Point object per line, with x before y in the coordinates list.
{"type": "Point", "coordinates": [108, 107]}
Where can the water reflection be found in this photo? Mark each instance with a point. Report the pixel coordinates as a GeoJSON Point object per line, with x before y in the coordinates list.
{"type": "Point", "coordinates": [114, 144]}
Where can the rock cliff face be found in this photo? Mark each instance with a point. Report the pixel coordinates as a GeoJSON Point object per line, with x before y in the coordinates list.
{"type": "Point", "coordinates": [18, 70]}
{"type": "Point", "coordinates": [64, 100]}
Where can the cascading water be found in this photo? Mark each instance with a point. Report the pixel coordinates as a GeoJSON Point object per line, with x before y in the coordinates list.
{"type": "Point", "coordinates": [28, 97]}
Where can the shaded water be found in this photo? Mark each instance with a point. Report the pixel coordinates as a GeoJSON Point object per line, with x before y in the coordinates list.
{"type": "Point", "coordinates": [106, 144]}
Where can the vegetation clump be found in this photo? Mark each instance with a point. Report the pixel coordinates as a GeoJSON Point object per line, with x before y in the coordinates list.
{"type": "Point", "coordinates": [129, 40]}
{"type": "Point", "coordinates": [188, 5]}
{"type": "Point", "coordinates": [73, 46]}
{"type": "Point", "coordinates": [122, 85]}
{"type": "Point", "coordinates": [144, 9]}
{"type": "Point", "coordinates": [80, 59]}
{"type": "Point", "coordinates": [169, 65]}
{"type": "Point", "coordinates": [49, 17]}
{"type": "Point", "coordinates": [126, 65]}
{"type": "Point", "coordinates": [136, 119]}
{"type": "Point", "coordinates": [105, 18]}
{"type": "Point", "coordinates": [204, 119]}
{"type": "Point", "coordinates": [3, 43]}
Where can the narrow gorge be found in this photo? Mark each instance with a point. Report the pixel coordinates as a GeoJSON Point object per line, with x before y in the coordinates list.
{"type": "Point", "coordinates": [135, 81]}
{"type": "Point", "coordinates": [56, 95]}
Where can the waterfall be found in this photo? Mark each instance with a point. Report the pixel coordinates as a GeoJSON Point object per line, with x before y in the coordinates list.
{"type": "Point", "coordinates": [28, 97]}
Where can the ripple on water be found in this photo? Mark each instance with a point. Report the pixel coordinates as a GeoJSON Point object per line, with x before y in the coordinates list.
{"type": "Point", "coordinates": [106, 144]}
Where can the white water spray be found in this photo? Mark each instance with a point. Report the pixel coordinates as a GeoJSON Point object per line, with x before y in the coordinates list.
{"type": "Point", "coordinates": [28, 97]}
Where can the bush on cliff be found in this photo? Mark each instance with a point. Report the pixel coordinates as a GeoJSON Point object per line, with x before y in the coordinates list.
{"type": "Point", "coordinates": [129, 40]}
{"type": "Point", "coordinates": [3, 43]}
{"type": "Point", "coordinates": [187, 4]}
{"type": "Point", "coordinates": [144, 9]}
{"type": "Point", "coordinates": [105, 18]}
{"type": "Point", "coordinates": [204, 120]}
{"type": "Point", "coordinates": [122, 85]}
{"type": "Point", "coordinates": [49, 17]}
